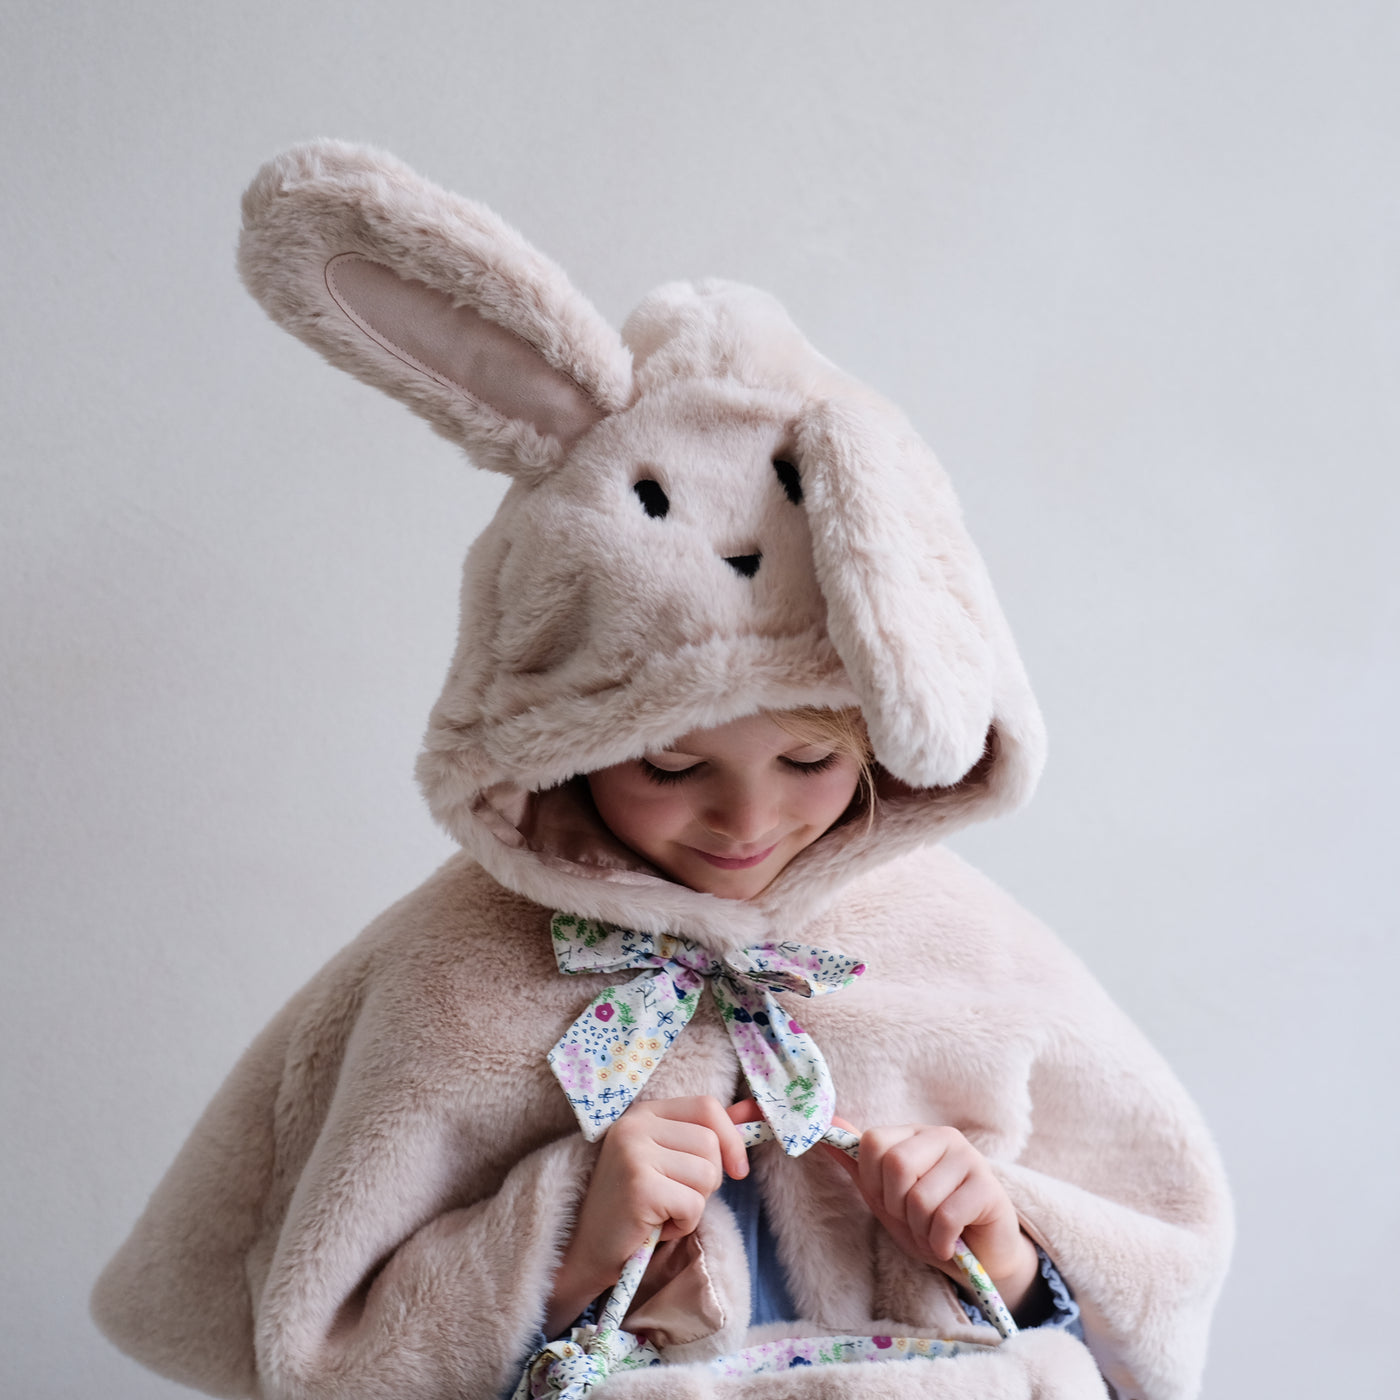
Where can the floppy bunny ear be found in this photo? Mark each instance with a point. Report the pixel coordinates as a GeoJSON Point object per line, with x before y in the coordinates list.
{"type": "Point", "coordinates": [910, 609]}
{"type": "Point", "coordinates": [432, 298]}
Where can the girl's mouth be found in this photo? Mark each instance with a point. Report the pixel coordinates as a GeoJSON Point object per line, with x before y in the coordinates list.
{"type": "Point", "coordinates": [733, 862]}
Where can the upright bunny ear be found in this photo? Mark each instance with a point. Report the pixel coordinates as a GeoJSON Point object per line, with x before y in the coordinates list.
{"type": "Point", "coordinates": [910, 609]}
{"type": "Point", "coordinates": [433, 299]}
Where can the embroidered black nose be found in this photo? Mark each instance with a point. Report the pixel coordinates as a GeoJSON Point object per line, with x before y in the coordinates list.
{"type": "Point", "coordinates": [745, 564]}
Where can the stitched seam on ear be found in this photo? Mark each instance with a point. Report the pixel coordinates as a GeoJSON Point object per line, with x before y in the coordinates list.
{"type": "Point", "coordinates": [385, 343]}
{"type": "Point", "coordinates": [413, 362]}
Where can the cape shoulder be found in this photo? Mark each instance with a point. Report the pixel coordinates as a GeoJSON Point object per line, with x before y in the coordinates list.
{"type": "Point", "coordinates": [387, 1040]}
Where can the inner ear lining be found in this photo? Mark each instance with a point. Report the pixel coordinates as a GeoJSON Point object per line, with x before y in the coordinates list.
{"type": "Point", "coordinates": [459, 348]}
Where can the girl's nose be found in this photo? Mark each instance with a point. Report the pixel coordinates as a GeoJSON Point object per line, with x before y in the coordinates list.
{"type": "Point", "coordinates": [742, 816]}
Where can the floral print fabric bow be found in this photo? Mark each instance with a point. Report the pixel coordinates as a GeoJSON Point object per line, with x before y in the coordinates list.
{"type": "Point", "coordinates": [611, 1049]}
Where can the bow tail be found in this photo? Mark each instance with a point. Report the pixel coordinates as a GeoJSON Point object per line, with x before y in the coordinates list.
{"type": "Point", "coordinates": [611, 1049]}
{"type": "Point", "coordinates": [783, 1066]}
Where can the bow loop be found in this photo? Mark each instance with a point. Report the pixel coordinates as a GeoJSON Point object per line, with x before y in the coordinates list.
{"type": "Point", "coordinates": [800, 968]}
{"type": "Point", "coordinates": [611, 1049]}
{"type": "Point", "coordinates": [585, 945]}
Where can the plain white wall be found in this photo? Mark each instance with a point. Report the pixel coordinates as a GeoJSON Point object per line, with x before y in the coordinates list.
{"type": "Point", "coordinates": [1131, 268]}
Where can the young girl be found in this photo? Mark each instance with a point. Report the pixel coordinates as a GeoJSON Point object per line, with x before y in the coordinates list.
{"type": "Point", "coordinates": [724, 810]}
{"type": "Point", "coordinates": [729, 666]}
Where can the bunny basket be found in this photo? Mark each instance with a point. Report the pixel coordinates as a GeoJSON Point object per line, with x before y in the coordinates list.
{"type": "Point", "coordinates": [705, 519]}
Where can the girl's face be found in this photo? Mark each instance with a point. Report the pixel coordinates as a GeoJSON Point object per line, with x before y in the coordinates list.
{"type": "Point", "coordinates": [725, 809]}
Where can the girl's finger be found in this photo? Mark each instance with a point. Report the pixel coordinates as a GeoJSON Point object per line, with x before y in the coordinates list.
{"type": "Point", "coordinates": [876, 1144]}
{"type": "Point", "coordinates": [708, 1111]}
{"type": "Point", "coordinates": [745, 1111]}
{"type": "Point", "coordinates": [734, 1156]}
{"type": "Point", "coordinates": [697, 1173]}
{"type": "Point", "coordinates": [933, 1193]}
{"type": "Point", "coordinates": [675, 1208]}
{"type": "Point", "coordinates": [908, 1160]}
{"type": "Point", "coordinates": [696, 1138]}
{"type": "Point", "coordinates": [969, 1204]}
{"type": "Point", "coordinates": [704, 1111]}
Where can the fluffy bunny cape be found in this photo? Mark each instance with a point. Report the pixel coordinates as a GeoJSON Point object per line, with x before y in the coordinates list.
{"type": "Point", "coordinates": [707, 519]}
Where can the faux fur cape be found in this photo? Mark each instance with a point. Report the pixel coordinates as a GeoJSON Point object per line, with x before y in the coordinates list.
{"type": "Point", "coordinates": [374, 1204]}
{"type": "Point", "coordinates": [706, 519]}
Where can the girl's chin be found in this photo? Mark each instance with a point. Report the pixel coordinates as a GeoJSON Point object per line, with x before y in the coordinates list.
{"type": "Point", "coordinates": [738, 896]}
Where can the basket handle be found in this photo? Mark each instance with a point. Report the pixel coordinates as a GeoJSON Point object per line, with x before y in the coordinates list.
{"type": "Point", "coordinates": [974, 1275]}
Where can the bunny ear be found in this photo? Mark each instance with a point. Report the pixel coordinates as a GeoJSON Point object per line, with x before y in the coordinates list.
{"type": "Point", "coordinates": [910, 609]}
{"type": "Point", "coordinates": [433, 299]}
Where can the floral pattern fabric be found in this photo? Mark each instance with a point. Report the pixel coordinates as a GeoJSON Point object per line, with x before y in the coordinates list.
{"type": "Point", "coordinates": [788, 1352]}
{"type": "Point", "coordinates": [569, 1370]}
{"type": "Point", "coordinates": [1064, 1311]}
{"type": "Point", "coordinates": [610, 1051]}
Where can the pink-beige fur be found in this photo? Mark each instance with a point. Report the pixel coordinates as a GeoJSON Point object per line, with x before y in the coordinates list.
{"type": "Point", "coordinates": [374, 1203]}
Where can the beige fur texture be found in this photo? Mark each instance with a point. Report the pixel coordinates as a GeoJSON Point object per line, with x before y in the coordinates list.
{"type": "Point", "coordinates": [373, 1204]}
{"type": "Point", "coordinates": [706, 519]}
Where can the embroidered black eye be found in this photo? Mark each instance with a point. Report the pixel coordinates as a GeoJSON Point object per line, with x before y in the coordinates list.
{"type": "Point", "coordinates": [746, 565]}
{"type": "Point", "coordinates": [791, 481]}
{"type": "Point", "coordinates": [654, 500]}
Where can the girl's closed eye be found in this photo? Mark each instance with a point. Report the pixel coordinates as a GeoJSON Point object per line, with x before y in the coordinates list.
{"type": "Point", "coordinates": [659, 767]}
{"type": "Point", "coordinates": [664, 776]}
{"type": "Point", "coordinates": [810, 765]}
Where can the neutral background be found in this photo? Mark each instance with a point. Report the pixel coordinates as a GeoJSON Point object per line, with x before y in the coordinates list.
{"type": "Point", "coordinates": [1132, 269]}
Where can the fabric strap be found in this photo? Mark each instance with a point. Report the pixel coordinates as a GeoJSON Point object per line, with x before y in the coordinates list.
{"type": "Point", "coordinates": [611, 1050]}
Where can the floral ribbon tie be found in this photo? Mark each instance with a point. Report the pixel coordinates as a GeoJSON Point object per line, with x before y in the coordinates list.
{"type": "Point", "coordinates": [611, 1049]}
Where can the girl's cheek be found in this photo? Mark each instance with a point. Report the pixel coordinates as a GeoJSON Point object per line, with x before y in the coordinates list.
{"type": "Point", "coordinates": [833, 785]}
{"type": "Point", "coordinates": [662, 805]}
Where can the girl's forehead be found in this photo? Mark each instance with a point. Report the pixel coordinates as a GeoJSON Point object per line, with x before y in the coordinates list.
{"type": "Point", "coordinates": [752, 734]}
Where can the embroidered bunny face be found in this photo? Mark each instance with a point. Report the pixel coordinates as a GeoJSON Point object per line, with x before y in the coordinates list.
{"type": "Point", "coordinates": [678, 518]}
{"type": "Point", "coordinates": [707, 518]}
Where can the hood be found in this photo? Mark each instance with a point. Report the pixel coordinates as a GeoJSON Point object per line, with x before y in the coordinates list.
{"type": "Point", "coordinates": [706, 518]}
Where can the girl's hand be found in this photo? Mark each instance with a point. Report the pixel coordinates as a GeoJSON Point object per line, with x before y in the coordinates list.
{"type": "Point", "coordinates": [929, 1185]}
{"type": "Point", "coordinates": [660, 1162]}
